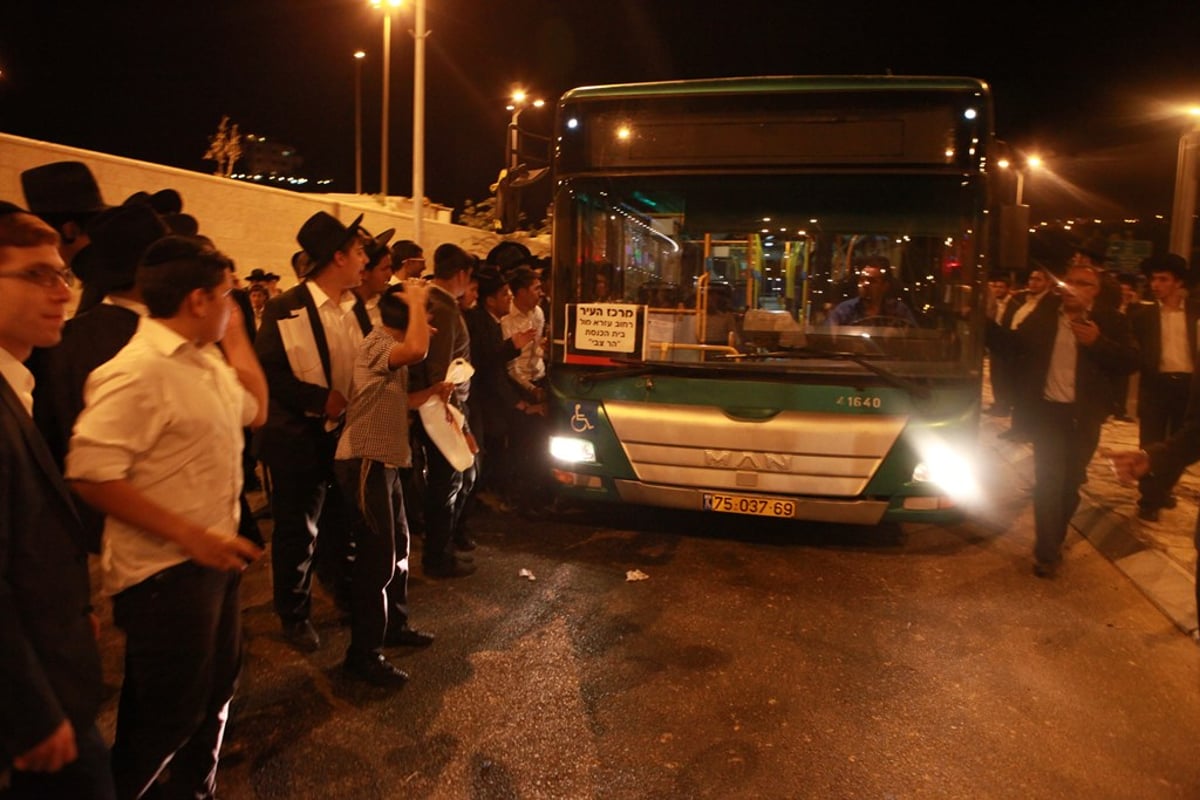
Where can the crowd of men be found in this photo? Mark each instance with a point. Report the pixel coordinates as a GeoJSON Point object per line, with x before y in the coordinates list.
{"type": "Point", "coordinates": [1061, 353]}
{"type": "Point", "coordinates": [134, 431]}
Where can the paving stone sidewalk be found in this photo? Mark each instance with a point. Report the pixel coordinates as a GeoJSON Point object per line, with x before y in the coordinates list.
{"type": "Point", "coordinates": [1159, 557]}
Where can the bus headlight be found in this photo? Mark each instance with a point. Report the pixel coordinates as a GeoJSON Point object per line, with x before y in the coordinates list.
{"type": "Point", "coordinates": [950, 470]}
{"type": "Point", "coordinates": [572, 450]}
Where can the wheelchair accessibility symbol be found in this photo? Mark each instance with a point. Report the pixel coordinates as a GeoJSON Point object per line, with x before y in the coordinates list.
{"type": "Point", "coordinates": [579, 420]}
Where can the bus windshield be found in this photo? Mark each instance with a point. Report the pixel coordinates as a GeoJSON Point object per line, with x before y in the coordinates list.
{"type": "Point", "coordinates": [797, 272]}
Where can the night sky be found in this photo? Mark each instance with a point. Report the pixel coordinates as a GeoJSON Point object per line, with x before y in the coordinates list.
{"type": "Point", "coordinates": [1089, 88]}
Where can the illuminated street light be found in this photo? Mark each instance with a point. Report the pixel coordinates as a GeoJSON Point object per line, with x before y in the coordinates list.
{"type": "Point", "coordinates": [359, 55]}
{"type": "Point", "coordinates": [387, 6]}
{"type": "Point", "coordinates": [1032, 163]}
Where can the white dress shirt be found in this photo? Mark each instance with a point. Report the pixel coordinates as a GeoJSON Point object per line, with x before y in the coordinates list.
{"type": "Point", "coordinates": [530, 365]}
{"type": "Point", "coordinates": [167, 417]}
{"type": "Point", "coordinates": [18, 377]}
{"type": "Point", "coordinates": [342, 334]}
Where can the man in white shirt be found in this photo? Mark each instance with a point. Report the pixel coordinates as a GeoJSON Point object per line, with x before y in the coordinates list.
{"type": "Point", "coordinates": [158, 448]}
{"type": "Point", "coordinates": [528, 370]}
{"type": "Point", "coordinates": [1166, 335]}
{"type": "Point", "coordinates": [307, 345]}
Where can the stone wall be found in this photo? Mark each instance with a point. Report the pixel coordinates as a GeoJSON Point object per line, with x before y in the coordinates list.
{"type": "Point", "coordinates": [255, 225]}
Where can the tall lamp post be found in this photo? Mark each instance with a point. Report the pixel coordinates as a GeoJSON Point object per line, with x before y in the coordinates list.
{"type": "Point", "coordinates": [387, 6]}
{"type": "Point", "coordinates": [418, 160]}
{"type": "Point", "coordinates": [1183, 209]}
{"type": "Point", "coordinates": [359, 55]}
{"type": "Point", "coordinates": [1013, 253]}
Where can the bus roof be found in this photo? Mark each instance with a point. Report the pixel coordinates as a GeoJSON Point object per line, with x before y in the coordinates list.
{"type": "Point", "coordinates": [767, 84]}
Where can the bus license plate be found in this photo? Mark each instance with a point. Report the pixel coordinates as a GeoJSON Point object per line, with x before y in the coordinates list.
{"type": "Point", "coordinates": [741, 504]}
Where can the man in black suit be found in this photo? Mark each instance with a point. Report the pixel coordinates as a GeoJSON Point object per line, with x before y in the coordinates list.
{"type": "Point", "coordinates": [49, 662]}
{"type": "Point", "coordinates": [1071, 349]}
{"type": "Point", "coordinates": [119, 236]}
{"type": "Point", "coordinates": [1166, 335]}
{"type": "Point", "coordinates": [497, 399]}
{"type": "Point", "coordinates": [307, 344]}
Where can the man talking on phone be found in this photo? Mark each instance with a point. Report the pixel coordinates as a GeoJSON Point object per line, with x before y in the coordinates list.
{"type": "Point", "coordinates": [1071, 349]}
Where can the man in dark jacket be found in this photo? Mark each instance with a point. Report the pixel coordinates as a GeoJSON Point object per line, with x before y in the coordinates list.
{"type": "Point", "coordinates": [49, 663]}
{"type": "Point", "coordinates": [497, 398]}
{"type": "Point", "coordinates": [307, 343]}
{"type": "Point", "coordinates": [1166, 335]}
{"type": "Point", "coordinates": [1071, 350]}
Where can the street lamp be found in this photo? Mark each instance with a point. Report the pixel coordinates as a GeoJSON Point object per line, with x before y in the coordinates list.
{"type": "Point", "coordinates": [1031, 163]}
{"type": "Point", "coordinates": [1183, 209]}
{"type": "Point", "coordinates": [418, 178]}
{"type": "Point", "coordinates": [387, 6]}
{"type": "Point", "coordinates": [359, 55]}
{"type": "Point", "coordinates": [519, 102]}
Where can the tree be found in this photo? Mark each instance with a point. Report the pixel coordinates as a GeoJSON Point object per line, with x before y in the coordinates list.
{"type": "Point", "coordinates": [224, 147]}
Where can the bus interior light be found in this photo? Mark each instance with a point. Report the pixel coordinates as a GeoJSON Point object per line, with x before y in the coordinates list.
{"type": "Point", "coordinates": [572, 450]}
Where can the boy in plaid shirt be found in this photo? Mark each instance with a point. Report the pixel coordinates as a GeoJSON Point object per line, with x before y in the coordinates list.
{"type": "Point", "coordinates": [373, 448]}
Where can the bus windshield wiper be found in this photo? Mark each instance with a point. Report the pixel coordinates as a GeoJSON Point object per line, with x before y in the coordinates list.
{"type": "Point", "coordinates": [634, 370]}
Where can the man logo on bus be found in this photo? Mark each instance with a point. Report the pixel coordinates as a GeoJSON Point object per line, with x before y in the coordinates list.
{"type": "Point", "coordinates": [726, 459]}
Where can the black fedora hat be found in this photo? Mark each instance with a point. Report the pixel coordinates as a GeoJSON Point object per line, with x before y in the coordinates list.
{"type": "Point", "coordinates": [323, 234]}
{"type": "Point", "coordinates": [257, 276]}
{"type": "Point", "coordinates": [119, 238]}
{"type": "Point", "coordinates": [509, 255]}
{"type": "Point", "coordinates": [377, 246]}
{"type": "Point", "coordinates": [62, 187]}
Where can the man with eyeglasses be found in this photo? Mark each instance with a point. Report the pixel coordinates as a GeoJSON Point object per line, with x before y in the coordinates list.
{"type": "Point", "coordinates": [1071, 350]}
{"type": "Point", "coordinates": [49, 662]}
{"type": "Point", "coordinates": [408, 260]}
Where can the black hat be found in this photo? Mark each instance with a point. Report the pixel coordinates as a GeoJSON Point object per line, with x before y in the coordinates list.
{"type": "Point", "coordinates": [257, 275]}
{"type": "Point", "coordinates": [491, 280]}
{"type": "Point", "coordinates": [508, 255]}
{"type": "Point", "coordinates": [377, 247]}
{"type": "Point", "coordinates": [1165, 262]}
{"type": "Point", "coordinates": [61, 187]}
{"type": "Point", "coordinates": [322, 235]}
{"type": "Point", "coordinates": [1096, 249]}
{"type": "Point", "coordinates": [119, 238]}
{"type": "Point", "coordinates": [181, 224]}
{"type": "Point", "coordinates": [271, 276]}
{"type": "Point", "coordinates": [7, 208]}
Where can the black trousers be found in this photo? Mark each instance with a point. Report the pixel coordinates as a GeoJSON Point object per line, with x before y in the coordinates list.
{"type": "Point", "coordinates": [183, 650]}
{"type": "Point", "coordinates": [88, 777]}
{"type": "Point", "coordinates": [379, 580]}
{"type": "Point", "coordinates": [1162, 403]}
{"type": "Point", "coordinates": [1063, 444]}
{"type": "Point", "coordinates": [444, 501]}
{"type": "Point", "coordinates": [305, 502]}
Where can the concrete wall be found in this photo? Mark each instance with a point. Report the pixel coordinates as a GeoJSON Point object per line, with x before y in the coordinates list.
{"type": "Point", "coordinates": [255, 225]}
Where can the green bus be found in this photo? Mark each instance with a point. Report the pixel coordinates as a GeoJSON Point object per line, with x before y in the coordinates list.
{"type": "Point", "coordinates": [767, 295]}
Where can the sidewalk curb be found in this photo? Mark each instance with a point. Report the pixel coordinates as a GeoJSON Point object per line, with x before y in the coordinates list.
{"type": "Point", "coordinates": [1166, 584]}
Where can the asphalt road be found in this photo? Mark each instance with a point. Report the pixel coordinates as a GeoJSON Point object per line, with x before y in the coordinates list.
{"type": "Point", "coordinates": [758, 659]}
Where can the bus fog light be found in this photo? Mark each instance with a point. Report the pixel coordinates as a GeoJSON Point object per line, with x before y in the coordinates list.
{"type": "Point", "coordinates": [572, 450]}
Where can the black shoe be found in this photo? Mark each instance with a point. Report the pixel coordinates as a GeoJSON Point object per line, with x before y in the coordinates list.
{"type": "Point", "coordinates": [1148, 514]}
{"type": "Point", "coordinates": [407, 637]}
{"type": "Point", "coordinates": [464, 543]}
{"type": "Point", "coordinates": [455, 569]}
{"type": "Point", "coordinates": [302, 636]}
{"type": "Point", "coordinates": [1045, 569]}
{"type": "Point", "coordinates": [1170, 502]}
{"type": "Point", "coordinates": [375, 670]}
